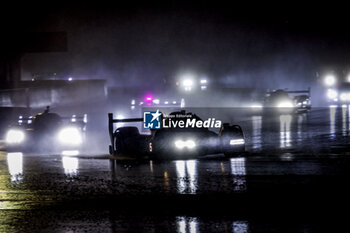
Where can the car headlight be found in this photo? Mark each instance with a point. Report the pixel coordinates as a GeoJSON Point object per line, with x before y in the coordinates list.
{"type": "Point", "coordinates": [15, 136]}
{"type": "Point", "coordinates": [237, 142]}
{"type": "Point", "coordinates": [330, 80]}
{"type": "Point", "coordinates": [70, 136]}
{"type": "Point", "coordinates": [180, 144]}
{"type": "Point", "coordinates": [345, 96]}
{"type": "Point", "coordinates": [285, 104]}
{"type": "Point", "coordinates": [332, 94]}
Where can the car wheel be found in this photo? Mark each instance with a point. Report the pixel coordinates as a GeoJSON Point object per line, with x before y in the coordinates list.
{"type": "Point", "coordinates": [118, 144]}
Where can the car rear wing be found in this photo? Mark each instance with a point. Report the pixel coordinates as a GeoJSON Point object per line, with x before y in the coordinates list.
{"type": "Point", "coordinates": [308, 92]}
{"type": "Point", "coordinates": [111, 122]}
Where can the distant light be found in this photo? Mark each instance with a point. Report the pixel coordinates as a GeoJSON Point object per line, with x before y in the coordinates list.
{"type": "Point", "coordinates": [74, 119]}
{"type": "Point", "coordinates": [330, 80]}
{"type": "Point", "coordinates": [345, 96]}
{"type": "Point", "coordinates": [174, 102]}
{"type": "Point", "coordinates": [203, 81]}
{"type": "Point", "coordinates": [203, 88]}
{"type": "Point", "coordinates": [156, 101]}
{"type": "Point", "coordinates": [332, 94]}
{"type": "Point", "coordinates": [187, 83]}
{"type": "Point", "coordinates": [148, 99]}
{"type": "Point", "coordinates": [132, 107]}
{"type": "Point", "coordinates": [348, 78]}
{"type": "Point", "coordinates": [132, 102]}
{"type": "Point", "coordinates": [70, 79]}
{"type": "Point", "coordinates": [166, 102]}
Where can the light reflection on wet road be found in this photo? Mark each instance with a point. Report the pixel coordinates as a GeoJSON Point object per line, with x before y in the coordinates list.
{"type": "Point", "coordinates": [278, 147]}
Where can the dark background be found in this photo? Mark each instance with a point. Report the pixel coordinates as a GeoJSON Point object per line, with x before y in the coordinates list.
{"type": "Point", "coordinates": [274, 45]}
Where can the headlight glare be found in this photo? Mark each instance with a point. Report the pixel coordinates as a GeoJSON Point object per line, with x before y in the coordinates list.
{"type": "Point", "coordinates": [237, 142]}
{"type": "Point", "coordinates": [285, 104]}
{"type": "Point", "coordinates": [345, 96]}
{"type": "Point", "coordinates": [190, 144]}
{"type": "Point", "coordinates": [15, 136]}
{"type": "Point", "coordinates": [332, 94]}
{"type": "Point", "coordinates": [70, 136]}
{"type": "Point", "coordinates": [330, 80]}
{"type": "Point", "coordinates": [181, 144]}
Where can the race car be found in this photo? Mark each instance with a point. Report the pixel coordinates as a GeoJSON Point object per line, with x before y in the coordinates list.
{"type": "Point", "coordinates": [337, 89]}
{"type": "Point", "coordinates": [175, 142]}
{"type": "Point", "coordinates": [339, 94]}
{"type": "Point", "coordinates": [286, 102]}
{"type": "Point", "coordinates": [46, 132]}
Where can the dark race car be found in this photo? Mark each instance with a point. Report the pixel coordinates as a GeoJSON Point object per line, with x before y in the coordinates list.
{"type": "Point", "coordinates": [288, 101]}
{"type": "Point", "coordinates": [176, 142]}
{"type": "Point", "coordinates": [46, 132]}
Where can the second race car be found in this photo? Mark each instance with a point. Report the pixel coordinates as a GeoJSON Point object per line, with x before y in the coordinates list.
{"type": "Point", "coordinates": [175, 142]}
{"type": "Point", "coordinates": [46, 132]}
{"type": "Point", "coordinates": [288, 101]}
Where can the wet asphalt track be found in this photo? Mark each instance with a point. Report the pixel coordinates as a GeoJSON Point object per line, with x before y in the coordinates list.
{"type": "Point", "coordinates": [293, 178]}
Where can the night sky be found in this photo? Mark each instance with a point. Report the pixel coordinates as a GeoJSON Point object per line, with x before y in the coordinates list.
{"type": "Point", "coordinates": [234, 44]}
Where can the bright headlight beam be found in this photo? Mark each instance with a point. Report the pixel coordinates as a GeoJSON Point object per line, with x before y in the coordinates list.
{"type": "Point", "coordinates": [330, 80]}
{"type": "Point", "coordinates": [15, 136]}
{"type": "Point", "coordinates": [180, 144]}
{"type": "Point", "coordinates": [190, 144]}
{"type": "Point", "coordinates": [345, 96]}
{"type": "Point", "coordinates": [332, 94]}
{"type": "Point", "coordinates": [70, 136]}
{"type": "Point", "coordinates": [285, 104]}
{"type": "Point", "coordinates": [188, 83]}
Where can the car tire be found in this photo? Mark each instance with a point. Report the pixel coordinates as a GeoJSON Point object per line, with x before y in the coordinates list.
{"type": "Point", "coordinates": [118, 144]}
{"type": "Point", "coordinates": [121, 135]}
